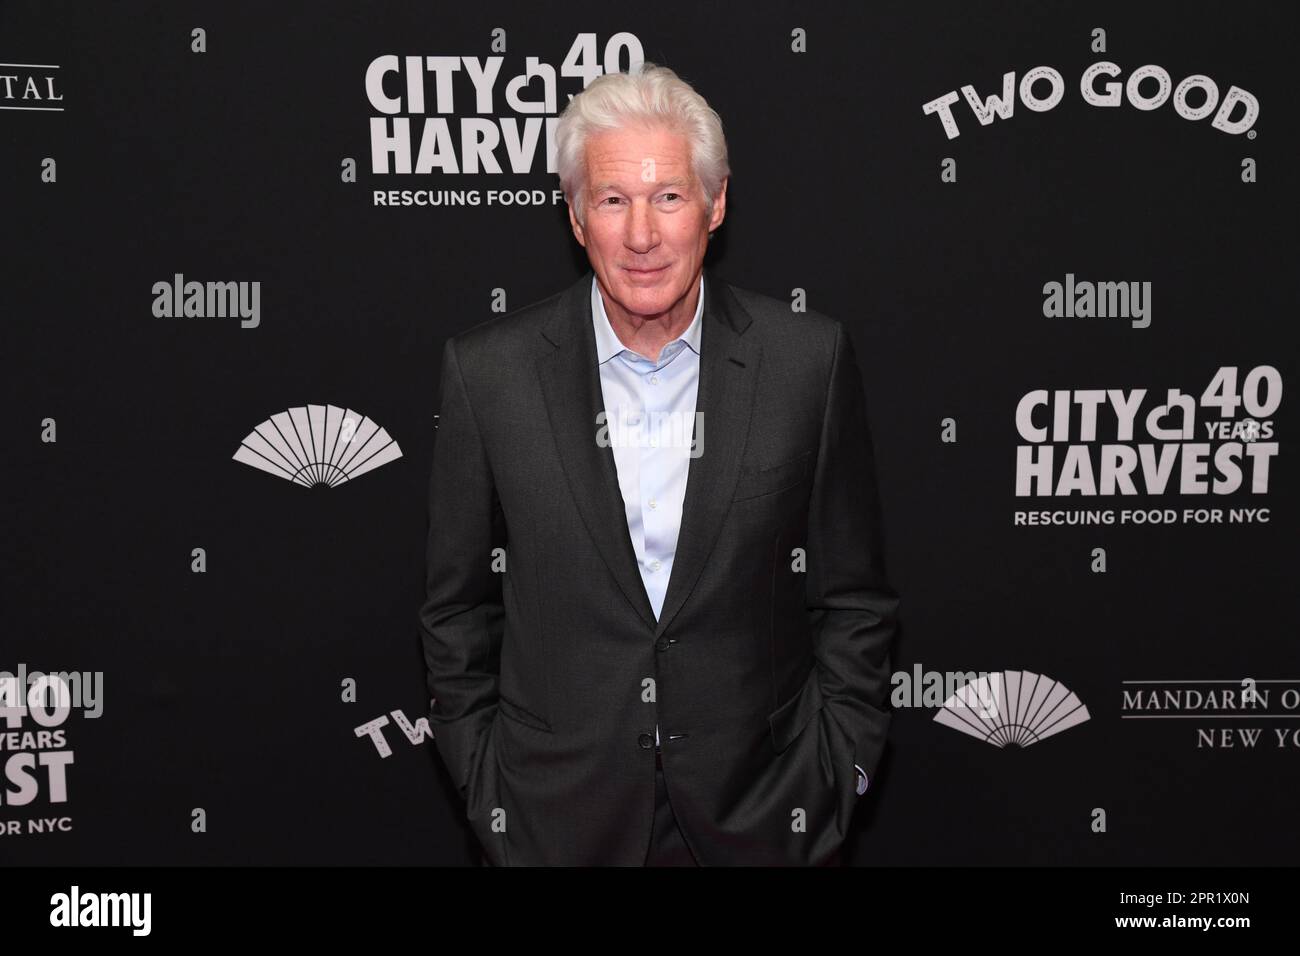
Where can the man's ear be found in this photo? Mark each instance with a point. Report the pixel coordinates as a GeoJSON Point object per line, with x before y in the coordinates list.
{"type": "Point", "coordinates": [578, 232]}
{"type": "Point", "coordinates": [719, 206]}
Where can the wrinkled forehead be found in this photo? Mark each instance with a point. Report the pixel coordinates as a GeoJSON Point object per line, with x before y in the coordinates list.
{"type": "Point", "coordinates": [639, 154]}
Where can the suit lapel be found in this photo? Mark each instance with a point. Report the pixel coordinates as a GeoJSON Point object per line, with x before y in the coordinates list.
{"type": "Point", "coordinates": [571, 386]}
{"type": "Point", "coordinates": [728, 377]}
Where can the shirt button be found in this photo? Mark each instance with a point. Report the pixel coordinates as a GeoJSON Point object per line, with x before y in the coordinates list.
{"type": "Point", "coordinates": [654, 379]}
{"type": "Point", "coordinates": [652, 503]}
{"type": "Point", "coordinates": [655, 564]}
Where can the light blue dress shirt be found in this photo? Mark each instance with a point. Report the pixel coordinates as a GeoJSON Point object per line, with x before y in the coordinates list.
{"type": "Point", "coordinates": [650, 417]}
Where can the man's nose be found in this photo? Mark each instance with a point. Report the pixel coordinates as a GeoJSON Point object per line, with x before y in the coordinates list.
{"type": "Point", "coordinates": [642, 235]}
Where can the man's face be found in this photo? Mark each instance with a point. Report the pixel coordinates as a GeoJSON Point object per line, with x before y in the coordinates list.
{"type": "Point", "coordinates": [647, 223]}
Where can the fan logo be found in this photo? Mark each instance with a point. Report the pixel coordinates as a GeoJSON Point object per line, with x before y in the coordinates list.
{"type": "Point", "coordinates": [319, 446]}
{"type": "Point", "coordinates": [1012, 709]}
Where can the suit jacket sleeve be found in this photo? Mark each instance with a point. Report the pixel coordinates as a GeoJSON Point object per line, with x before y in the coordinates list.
{"type": "Point", "coordinates": [851, 605]}
{"type": "Point", "coordinates": [462, 618]}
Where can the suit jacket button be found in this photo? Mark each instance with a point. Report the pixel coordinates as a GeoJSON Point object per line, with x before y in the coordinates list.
{"type": "Point", "coordinates": [662, 644]}
{"type": "Point", "coordinates": [646, 741]}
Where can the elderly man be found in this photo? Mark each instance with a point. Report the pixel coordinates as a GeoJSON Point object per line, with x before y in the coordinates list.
{"type": "Point", "coordinates": [657, 624]}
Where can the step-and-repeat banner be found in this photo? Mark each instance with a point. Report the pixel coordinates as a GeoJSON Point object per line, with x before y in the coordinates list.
{"type": "Point", "coordinates": [237, 235]}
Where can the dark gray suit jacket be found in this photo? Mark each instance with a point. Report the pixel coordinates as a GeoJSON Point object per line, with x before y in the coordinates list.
{"type": "Point", "coordinates": [768, 669]}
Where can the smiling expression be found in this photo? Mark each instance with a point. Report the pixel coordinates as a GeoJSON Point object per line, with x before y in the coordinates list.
{"type": "Point", "coordinates": [647, 223]}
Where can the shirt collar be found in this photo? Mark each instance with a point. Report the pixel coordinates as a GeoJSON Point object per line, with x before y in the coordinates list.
{"type": "Point", "coordinates": [607, 342]}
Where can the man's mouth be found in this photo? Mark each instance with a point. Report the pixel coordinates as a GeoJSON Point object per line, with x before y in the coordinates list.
{"type": "Point", "coordinates": [644, 272]}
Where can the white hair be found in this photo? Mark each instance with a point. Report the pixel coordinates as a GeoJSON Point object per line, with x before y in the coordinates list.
{"type": "Point", "coordinates": [655, 97]}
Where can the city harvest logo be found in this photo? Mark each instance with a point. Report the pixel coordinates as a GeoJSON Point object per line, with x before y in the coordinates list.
{"type": "Point", "coordinates": [1065, 454]}
{"type": "Point", "coordinates": [34, 751]}
{"type": "Point", "coordinates": [1231, 714]}
{"type": "Point", "coordinates": [319, 446]}
{"type": "Point", "coordinates": [472, 116]}
{"type": "Point", "coordinates": [74, 908]}
{"type": "Point", "coordinates": [30, 87]}
{"type": "Point", "coordinates": [1105, 93]}
{"type": "Point", "coordinates": [1012, 709]}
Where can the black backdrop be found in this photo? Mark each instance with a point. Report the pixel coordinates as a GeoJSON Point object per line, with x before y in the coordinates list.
{"type": "Point", "coordinates": [223, 688]}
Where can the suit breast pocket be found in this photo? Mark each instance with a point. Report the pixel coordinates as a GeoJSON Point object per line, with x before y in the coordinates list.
{"type": "Point", "coordinates": [769, 479]}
